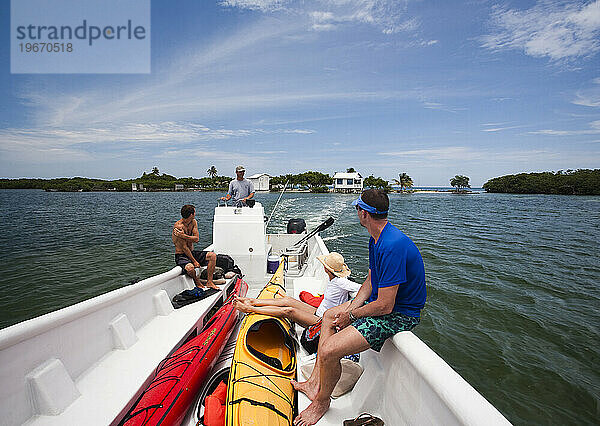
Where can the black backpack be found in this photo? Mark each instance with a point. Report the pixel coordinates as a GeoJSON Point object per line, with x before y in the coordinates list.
{"type": "Point", "coordinates": [227, 263]}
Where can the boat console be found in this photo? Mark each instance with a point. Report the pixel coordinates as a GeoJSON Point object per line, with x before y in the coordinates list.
{"type": "Point", "coordinates": [240, 232]}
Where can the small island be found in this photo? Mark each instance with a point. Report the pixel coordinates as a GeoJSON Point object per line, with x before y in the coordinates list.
{"type": "Point", "coordinates": [152, 181]}
{"type": "Point", "coordinates": [571, 182]}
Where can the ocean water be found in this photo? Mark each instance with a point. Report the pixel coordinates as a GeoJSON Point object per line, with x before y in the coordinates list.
{"type": "Point", "coordinates": [513, 280]}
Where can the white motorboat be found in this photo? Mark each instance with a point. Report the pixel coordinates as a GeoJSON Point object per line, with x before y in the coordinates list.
{"type": "Point", "coordinates": [87, 363]}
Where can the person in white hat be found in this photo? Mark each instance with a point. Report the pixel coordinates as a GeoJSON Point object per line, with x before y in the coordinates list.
{"type": "Point", "coordinates": [240, 189]}
{"type": "Point", "coordinates": [337, 292]}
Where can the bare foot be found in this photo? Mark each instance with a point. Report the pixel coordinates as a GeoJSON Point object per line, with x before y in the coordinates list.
{"type": "Point", "coordinates": [199, 284]}
{"type": "Point", "coordinates": [211, 284]}
{"type": "Point", "coordinates": [242, 307]}
{"type": "Point", "coordinates": [313, 413]}
{"type": "Point", "coordinates": [307, 388]}
{"type": "Point", "coordinates": [247, 300]}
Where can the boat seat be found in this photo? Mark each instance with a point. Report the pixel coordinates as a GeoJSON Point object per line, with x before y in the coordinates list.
{"type": "Point", "coordinates": [312, 285]}
{"type": "Point", "coordinates": [111, 385]}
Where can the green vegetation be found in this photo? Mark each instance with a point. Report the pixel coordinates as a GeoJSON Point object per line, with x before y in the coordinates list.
{"type": "Point", "coordinates": [307, 180]}
{"type": "Point", "coordinates": [460, 182]}
{"type": "Point", "coordinates": [319, 190]}
{"type": "Point", "coordinates": [578, 182]}
{"type": "Point", "coordinates": [152, 181]}
{"type": "Point", "coordinates": [377, 182]}
{"type": "Point", "coordinates": [404, 181]}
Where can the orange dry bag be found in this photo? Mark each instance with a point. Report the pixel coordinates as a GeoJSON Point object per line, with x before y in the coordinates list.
{"type": "Point", "coordinates": [214, 406]}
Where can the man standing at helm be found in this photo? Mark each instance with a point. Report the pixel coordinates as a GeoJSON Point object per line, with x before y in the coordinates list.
{"type": "Point", "coordinates": [240, 189]}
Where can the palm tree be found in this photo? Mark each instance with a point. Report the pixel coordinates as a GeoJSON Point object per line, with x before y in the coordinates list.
{"type": "Point", "coordinates": [212, 172]}
{"type": "Point", "coordinates": [404, 182]}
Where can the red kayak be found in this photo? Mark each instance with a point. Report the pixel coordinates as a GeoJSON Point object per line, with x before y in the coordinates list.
{"type": "Point", "coordinates": [179, 377]}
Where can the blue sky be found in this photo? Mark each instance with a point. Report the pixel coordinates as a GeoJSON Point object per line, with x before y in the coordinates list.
{"type": "Point", "coordinates": [433, 89]}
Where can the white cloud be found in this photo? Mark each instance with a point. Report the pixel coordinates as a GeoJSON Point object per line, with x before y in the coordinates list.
{"type": "Point", "coordinates": [461, 155]}
{"type": "Point", "coordinates": [441, 107]}
{"type": "Point", "coordinates": [326, 15]}
{"type": "Point", "coordinates": [594, 130]}
{"type": "Point", "coordinates": [559, 30]}
{"type": "Point", "coordinates": [499, 127]}
{"type": "Point", "coordinates": [126, 135]}
{"type": "Point", "coordinates": [590, 96]}
{"type": "Point", "coordinates": [445, 153]}
{"type": "Point", "coordinates": [263, 5]}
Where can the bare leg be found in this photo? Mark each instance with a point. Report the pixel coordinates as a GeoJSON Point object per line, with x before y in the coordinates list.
{"type": "Point", "coordinates": [311, 387]}
{"type": "Point", "coordinates": [281, 301]}
{"type": "Point", "coordinates": [191, 272]}
{"type": "Point", "coordinates": [345, 342]}
{"type": "Point", "coordinates": [211, 257]}
{"type": "Point", "coordinates": [303, 318]}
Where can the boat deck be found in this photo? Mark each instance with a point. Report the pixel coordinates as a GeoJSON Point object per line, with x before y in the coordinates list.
{"type": "Point", "coordinates": [96, 361]}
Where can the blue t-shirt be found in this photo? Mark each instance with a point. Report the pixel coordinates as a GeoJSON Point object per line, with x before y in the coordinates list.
{"type": "Point", "coordinates": [393, 260]}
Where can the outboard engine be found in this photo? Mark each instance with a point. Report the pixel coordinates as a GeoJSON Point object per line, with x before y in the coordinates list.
{"type": "Point", "coordinates": [296, 226]}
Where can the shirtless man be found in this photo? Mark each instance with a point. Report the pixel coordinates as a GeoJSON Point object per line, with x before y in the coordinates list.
{"type": "Point", "coordinates": [185, 234]}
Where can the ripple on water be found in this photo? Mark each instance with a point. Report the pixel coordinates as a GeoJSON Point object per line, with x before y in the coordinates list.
{"type": "Point", "coordinates": [513, 281]}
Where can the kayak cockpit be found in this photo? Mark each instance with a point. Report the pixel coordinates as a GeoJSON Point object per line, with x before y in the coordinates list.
{"type": "Point", "coordinates": [267, 341]}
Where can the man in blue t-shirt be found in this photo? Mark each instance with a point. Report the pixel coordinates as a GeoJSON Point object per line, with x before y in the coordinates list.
{"type": "Point", "coordinates": [389, 301]}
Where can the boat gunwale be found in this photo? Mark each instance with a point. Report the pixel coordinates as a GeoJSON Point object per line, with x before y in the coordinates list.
{"type": "Point", "coordinates": [458, 395]}
{"type": "Point", "coordinates": [33, 327]}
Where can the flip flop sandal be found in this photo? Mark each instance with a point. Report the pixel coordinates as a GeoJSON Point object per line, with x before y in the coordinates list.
{"type": "Point", "coordinates": [364, 419]}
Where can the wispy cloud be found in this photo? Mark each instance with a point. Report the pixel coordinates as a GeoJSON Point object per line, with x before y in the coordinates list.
{"type": "Point", "coordinates": [126, 135]}
{"type": "Point", "coordinates": [441, 107]}
{"type": "Point", "coordinates": [263, 5]}
{"type": "Point", "coordinates": [590, 96]}
{"type": "Point", "coordinates": [443, 153]}
{"type": "Point", "coordinates": [453, 156]}
{"type": "Point", "coordinates": [559, 30]}
{"type": "Point", "coordinates": [499, 127]}
{"type": "Point", "coordinates": [593, 130]}
{"type": "Point", "coordinates": [389, 16]}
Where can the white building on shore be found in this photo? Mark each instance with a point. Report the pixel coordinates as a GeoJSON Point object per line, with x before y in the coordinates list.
{"type": "Point", "coordinates": [348, 182]}
{"type": "Point", "coordinates": [261, 181]}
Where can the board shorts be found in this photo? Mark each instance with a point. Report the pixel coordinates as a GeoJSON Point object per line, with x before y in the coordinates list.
{"type": "Point", "coordinates": [376, 330]}
{"type": "Point", "coordinates": [182, 260]}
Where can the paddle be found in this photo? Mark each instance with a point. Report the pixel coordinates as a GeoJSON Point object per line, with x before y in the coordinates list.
{"type": "Point", "coordinates": [319, 228]}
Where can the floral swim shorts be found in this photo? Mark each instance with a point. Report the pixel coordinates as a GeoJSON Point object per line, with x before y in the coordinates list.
{"type": "Point", "coordinates": [377, 329]}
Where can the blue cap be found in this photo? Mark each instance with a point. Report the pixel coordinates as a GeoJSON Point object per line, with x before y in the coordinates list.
{"type": "Point", "coordinates": [360, 203]}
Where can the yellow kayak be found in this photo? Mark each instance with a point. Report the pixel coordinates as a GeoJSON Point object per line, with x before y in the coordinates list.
{"type": "Point", "coordinates": [259, 391]}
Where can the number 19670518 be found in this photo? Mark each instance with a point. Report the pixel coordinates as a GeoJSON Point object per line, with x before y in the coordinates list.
{"type": "Point", "coordinates": [46, 47]}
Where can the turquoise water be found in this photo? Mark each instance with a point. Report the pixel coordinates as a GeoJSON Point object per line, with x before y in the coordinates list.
{"type": "Point", "coordinates": [513, 280]}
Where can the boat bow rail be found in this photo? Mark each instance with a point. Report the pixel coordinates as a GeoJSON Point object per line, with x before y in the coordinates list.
{"type": "Point", "coordinates": [85, 363]}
